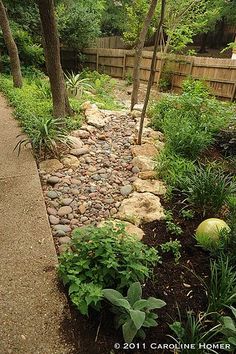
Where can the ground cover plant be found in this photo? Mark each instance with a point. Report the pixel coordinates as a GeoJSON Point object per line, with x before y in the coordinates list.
{"type": "Point", "coordinates": [103, 257]}
{"type": "Point", "coordinates": [33, 106]}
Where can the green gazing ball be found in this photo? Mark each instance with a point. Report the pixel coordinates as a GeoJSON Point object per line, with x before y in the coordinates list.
{"type": "Point", "coordinates": [209, 232]}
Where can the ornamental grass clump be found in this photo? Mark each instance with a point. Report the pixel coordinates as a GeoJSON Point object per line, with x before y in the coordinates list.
{"type": "Point", "coordinates": [103, 257]}
{"type": "Point", "coordinates": [208, 189]}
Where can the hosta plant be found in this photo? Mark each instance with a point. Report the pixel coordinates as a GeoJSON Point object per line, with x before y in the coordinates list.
{"type": "Point", "coordinates": [132, 312]}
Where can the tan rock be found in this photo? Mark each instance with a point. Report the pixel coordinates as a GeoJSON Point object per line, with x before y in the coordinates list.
{"type": "Point", "coordinates": [80, 133]}
{"type": "Point", "coordinates": [74, 142]}
{"type": "Point", "coordinates": [82, 209]}
{"type": "Point", "coordinates": [152, 186]}
{"type": "Point", "coordinates": [64, 210]}
{"type": "Point", "coordinates": [50, 166]}
{"type": "Point", "coordinates": [141, 208]}
{"type": "Point", "coordinates": [131, 229]}
{"type": "Point", "coordinates": [70, 161]}
{"type": "Point", "coordinates": [148, 150]}
{"type": "Point", "coordinates": [147, 175]}
{"type": "Point", "coordinates": [95, 117]}
{"type": "Point", "coordinates": [144, 163]}
{"type": "Point", "coordinates": [86, 105]}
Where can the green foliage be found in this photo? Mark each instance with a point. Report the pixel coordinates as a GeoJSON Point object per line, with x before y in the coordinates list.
{"type": "Point", "coordinates": [222, 288]}
{"type": "Point", "coordinates": [173, 168]}
{"type": "Point", "coordinates": [33, 108]}
{"type": "Point", "coordinates": [114, 17]}
{"type": "Point", "coordinates": [174, 247]}
{"type": "Point", "coordinates": [194, 330]}
{"type": "Point", "coordinates": [208, 189]}
{"type": "Point", "coordinates": [187, 214]}
{"type": "Point", "coordinates": [135, 15]}
{"type": "Point", "coordinates": [191, 120]}
{"type": "Point", "coordinates": [76, 85]}
{"type": "Point", "coordinates": [132, 312]}
{"type": "Point", "coordinates": [30, 51]}
{"type": "Point", "coordinates": [103, 257]}
{"type": "Point", "coordinates": [229, 329]}
{"type": "Point", "coordinates": [45, 133]}
{"type": "Point", "coordinates": [79, 21]}
{"type": "Point", "coordinates": [103, 86]}
{"type": "Point", "coordinates": [171, 226]}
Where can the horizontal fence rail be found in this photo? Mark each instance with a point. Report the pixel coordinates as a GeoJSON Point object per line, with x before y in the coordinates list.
{"type": "Point", "coordinates": [220, 74]}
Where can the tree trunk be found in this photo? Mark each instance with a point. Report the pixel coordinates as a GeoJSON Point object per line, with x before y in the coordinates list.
{"type": "Point", "coordinates": [234, 50]}
{"type": "Point", "coordinates": [203, 43]}
{"type": "Point", "coordinates": [61, 107]}
{"type": "Point", "coordinates": [152, 72]}
{"type": "Point", "coordinates": [163, 58]}
{"type": "Point", "coordinates": [11, 47]}
{"type": "Point", "coordinates": [138, 52]}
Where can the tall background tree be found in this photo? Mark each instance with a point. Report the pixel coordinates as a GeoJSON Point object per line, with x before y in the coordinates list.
{"type": "Point", "coordinates": [11, 47]}
{"type": "Point", "coordinates": [53, 59]}
{"type": "Point", "coordinates": [138, 51]}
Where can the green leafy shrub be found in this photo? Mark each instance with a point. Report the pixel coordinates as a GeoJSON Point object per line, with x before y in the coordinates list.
{"type": "Point", "coordinates": [187, 214]}
{"type": "Point", "coordinates": [132, 312]}
{"type": "Point", "coordinates": [207, 189]}
{"type": "Point", "coordinates": [191, 120]}
{"type": "Point", "coordinates": [229, 329]}
{"type": "Point", "coordinates": [171, 226]}
{"type": "Point", "coordinates": [103, 257]}
{"type": "Point", "coordinates": [173, 168]}
{"type": "Point", "coordinates": [174, 247]}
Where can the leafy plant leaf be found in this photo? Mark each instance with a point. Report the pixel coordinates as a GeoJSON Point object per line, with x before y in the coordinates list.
{"type": "Point", "coordinates": [154, 303]}
{"type": "Point", "coordinates": [138, 318]}
{"type": "Point", "coordinates": [134, 293]}
{"type": "Point", "coordinates": [129, 331]}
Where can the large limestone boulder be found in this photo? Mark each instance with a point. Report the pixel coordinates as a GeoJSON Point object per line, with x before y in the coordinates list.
{"type": "Point", "coordinates": [49, 166]}
{"type": "Point", "coordinates": [152, 186]}
{"type": "Point", "coordinates": [141, 208]}
{"type": "Point", "coordinates": [144, 163]}
{"type": "Point", "coordinates": [131, 229]}
{"type": "Point", "coordinates": [148, 150]}
{"type": "Point", "coordinates": [95, 117]}
{"type": "Point", "coordinates": [70, 161]}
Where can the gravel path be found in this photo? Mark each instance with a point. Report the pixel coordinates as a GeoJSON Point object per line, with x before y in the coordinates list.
{"type": "Point", "coordinates": [94, 190]}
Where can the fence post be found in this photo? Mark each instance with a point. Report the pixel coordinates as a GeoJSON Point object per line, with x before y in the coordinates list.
{"type": "Point", "coordinates": [191, 67]}
{"type": "Point", "coordinates": [124, 66]}
{"type": "Point", "coordinates": [233, 93]}
{"type": "Point", "coordinates": [97, 63]}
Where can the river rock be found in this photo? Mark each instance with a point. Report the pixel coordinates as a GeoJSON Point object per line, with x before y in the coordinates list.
{"type": "Point", "coordinates": [49, 166]}
{"type": "Point", "coordinates": [70, 161]}
{"type": "Point", "coordinates": [74, 142]}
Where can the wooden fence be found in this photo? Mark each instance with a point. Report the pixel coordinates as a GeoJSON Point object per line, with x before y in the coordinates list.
{"type": "Point", "coordinates": [219, 73]}
{"type": "Point", "coordinates": [114, 42]}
